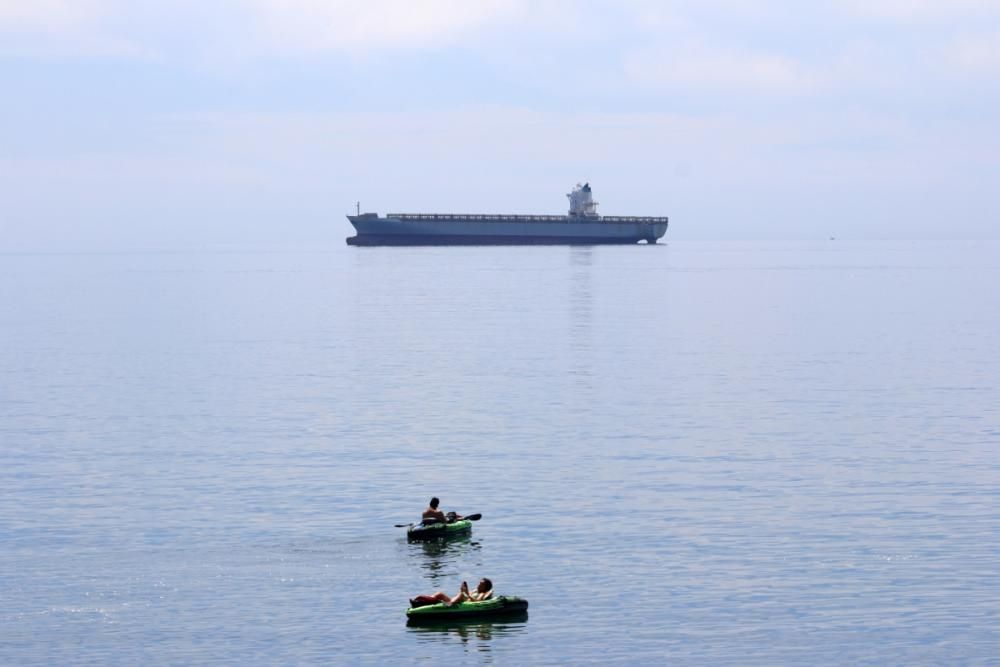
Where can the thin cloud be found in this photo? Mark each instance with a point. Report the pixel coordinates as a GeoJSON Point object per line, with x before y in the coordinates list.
{"type": "Point", "coordinates": [976, 53]}
{"type": "Point", "coordinates": [47, 29]}
{"type": "Point", "coordinates": [249, 29]}
{"type": "Point", "coordinates": [920, 10]}
{"type": "Point", "coordinates": [699, 67]}
{"type": "Point", "coordinates": [49, 15]}
{"type": "Point", "coordinates": [317, 25]}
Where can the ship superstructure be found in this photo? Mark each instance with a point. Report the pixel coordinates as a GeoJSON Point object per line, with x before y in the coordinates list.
{"type": "Point", "coordinates": [581, 225]}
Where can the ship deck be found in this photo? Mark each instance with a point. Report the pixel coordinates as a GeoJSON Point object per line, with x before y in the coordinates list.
{"type": "Point", "coordinates": [508, 217]}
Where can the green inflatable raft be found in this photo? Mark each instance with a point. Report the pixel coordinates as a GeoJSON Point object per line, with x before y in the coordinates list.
{"type": "Point", "coordinates": [433, 531]}
{"type": "Point", "coordinates": [498, 607]}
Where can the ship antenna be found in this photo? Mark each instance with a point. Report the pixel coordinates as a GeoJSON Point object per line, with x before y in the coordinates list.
{"type": "Point", "coordinates": [358, 204]}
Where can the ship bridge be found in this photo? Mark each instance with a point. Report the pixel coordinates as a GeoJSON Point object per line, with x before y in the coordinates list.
{"type": "Point", "coordinates": [581, 202]}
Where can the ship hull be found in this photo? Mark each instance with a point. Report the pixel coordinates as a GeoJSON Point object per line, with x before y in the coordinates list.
{"type": "Point", "coordinates": [459, 239]}
{"type": "Point", "coordinates": [388, 231]}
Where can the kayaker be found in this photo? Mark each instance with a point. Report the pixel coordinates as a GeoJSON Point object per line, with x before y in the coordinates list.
{"type": "Point", "coordinates": [433, 514]}
{"type": "Point", "coordinates": [484, 591]}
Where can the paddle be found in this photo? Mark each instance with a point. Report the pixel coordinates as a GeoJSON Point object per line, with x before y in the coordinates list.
{"type": "Point", "coordinates": [471, 517]}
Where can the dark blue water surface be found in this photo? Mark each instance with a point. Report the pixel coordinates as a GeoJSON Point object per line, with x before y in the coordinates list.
{"type": "Point", "coordinates": [695, 453]}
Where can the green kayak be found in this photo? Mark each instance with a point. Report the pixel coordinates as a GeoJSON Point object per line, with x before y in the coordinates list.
{"type": "Point", "coordinates": [433, 531]}
{"type": "Point", "coordinates": [494, 607]}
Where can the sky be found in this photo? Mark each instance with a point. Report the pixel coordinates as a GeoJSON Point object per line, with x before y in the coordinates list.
{"type": "Point", "coordinates": [141, 125]}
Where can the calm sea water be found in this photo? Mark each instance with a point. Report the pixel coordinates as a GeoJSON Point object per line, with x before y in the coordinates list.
{"type": "Point", "coordinates": [696, 453]}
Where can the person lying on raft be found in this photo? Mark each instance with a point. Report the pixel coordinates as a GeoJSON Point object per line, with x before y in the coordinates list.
{"type": "Point", "coordinates": [433, 515]}
{"type": "Point", "coordinates": [484, 591]}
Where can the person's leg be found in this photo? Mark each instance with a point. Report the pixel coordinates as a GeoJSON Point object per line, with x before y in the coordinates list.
{"type": "Point", "coordinates": [422, 600]}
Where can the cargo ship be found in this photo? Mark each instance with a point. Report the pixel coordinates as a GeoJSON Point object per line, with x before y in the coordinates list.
{"type": "Point", "coordinates": [581, 225]}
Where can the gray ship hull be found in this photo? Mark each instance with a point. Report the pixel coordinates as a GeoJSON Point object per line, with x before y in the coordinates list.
{"type": "Point", "coordinates": [434, 229]}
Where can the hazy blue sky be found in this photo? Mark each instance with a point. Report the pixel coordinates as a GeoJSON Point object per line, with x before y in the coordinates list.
{"type": "Point", "coordinates": [141, 124]}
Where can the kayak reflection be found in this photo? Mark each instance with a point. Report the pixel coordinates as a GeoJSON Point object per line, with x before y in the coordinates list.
{"type": "Point", "coordinates": [465, 630]}
{"type": "Point", "coordinates": [437, 555]}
